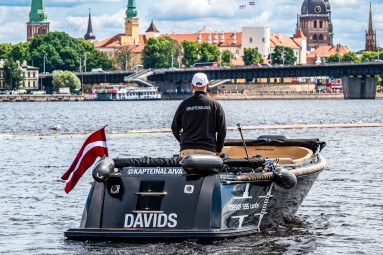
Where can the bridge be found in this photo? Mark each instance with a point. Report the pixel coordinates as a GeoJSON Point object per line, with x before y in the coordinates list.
{"type": "Point", "coordinates": [359, 81]}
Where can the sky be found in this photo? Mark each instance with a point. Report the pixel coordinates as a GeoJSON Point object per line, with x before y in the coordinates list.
{"type": "Point", "coordinates": [350, 17]}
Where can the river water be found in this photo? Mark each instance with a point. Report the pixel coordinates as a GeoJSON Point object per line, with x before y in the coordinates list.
{"type": "Point", "coordinates": [342, 214]}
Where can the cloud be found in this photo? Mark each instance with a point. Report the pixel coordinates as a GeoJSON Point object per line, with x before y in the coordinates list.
{"type": "Point", "coordinates": [54, 3]}
{"type": "Point", "coordinates": [350, 17]}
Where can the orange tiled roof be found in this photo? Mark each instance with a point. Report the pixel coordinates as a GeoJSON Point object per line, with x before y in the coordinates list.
{"type": "Point", "coordinates": [327, 51]}
{"type": "Point", "coordinates": [114, 41]}
{"type": "Point", "coordinates": [277, 39]}
{"type": "Point", "coordinates": [228, 42]}
{"type": "Point", "coordinates": [299, 34]}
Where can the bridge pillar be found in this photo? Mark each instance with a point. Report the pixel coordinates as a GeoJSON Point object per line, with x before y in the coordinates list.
{"type": "Point", "coordinates": [359, 87]}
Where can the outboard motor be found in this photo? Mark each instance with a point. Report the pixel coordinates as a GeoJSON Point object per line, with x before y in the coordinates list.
{"type": "Point", "coordinates": [103, 169]}
{"type": "Point", "coordinates": [202, 164]}
{"type": "Point", "coordinates": [284, 178]}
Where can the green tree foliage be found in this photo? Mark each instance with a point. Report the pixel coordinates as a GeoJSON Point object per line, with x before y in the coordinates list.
{"type": "Point", "coordinates": [252, 56]}
{"type": "Point", "coordinates": [287, 58]}
{"type": "Point", "coordinates": [190, 52]}
{"type": "Point", "coordinates": [94, 57]}
{"type": "Point", "coordinates": [226, 58]}
{"type": "Point", "coordinates": [63, 79]}
{"type": "Point", "coordinates": [123, 58]}
{"type": "Point", "coordinates": [208, 52]}
{"type": "Point", "coordinates": [350, 57]}
{"type": "Point", "coordinates": [369, 56]}
{"type": "Point", "coordinates": [12, 73]}
{"type": "Point", "coordinates": [62, 52]}
{"type": "Point", "coordinates": [20, 52]}
{"type": "Point", "coordinates": [336, 58]}
{"type": "Point", "coordinates": [158, 52]}
{"type": "Point", "coordinates": [5, 48]}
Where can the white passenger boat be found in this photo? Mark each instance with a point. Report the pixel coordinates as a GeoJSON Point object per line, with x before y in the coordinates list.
{"type": "Point", "coordinates": [120, 92]}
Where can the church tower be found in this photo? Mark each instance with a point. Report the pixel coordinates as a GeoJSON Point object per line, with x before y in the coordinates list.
{"type": "Point", "coordinates": [38, 20]}
{"type": "Point", "coordinates": [131, 24]}
{"type": "Point", "coordinates": [315, 23]}
{"type": "Point", "coordinates": [370, 35]}
{"type": "Point", "coordinates": [89, 33]}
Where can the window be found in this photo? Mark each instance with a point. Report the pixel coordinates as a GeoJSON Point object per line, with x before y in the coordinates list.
{"type": "Point", "coordinates": [263, 39]}
{"type": "Point", "coordinates": [321, 24]}
{"type": "Point", "coordinates": [250, 40]}
{"type": "Point", "coordinates": [315, 24]}
{"type": "Point", "coordinates": [315, 38]}
{"type": "Point", "coordinates": [321, 38]}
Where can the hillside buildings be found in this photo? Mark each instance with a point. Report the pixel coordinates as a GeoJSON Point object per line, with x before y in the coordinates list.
{"type": "Point", "coordinates": [250, 37]}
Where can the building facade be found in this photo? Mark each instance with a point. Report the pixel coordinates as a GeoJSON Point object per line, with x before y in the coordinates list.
{"type": "Point", "coordinates": [259, 38]}
{"type": "Point", "coordinates": [30, 77]}
{"type": "Point", "coordinates": [370, 34]}
{"type": "Point", "coordinates": [315, 23]}
{"type": "Point", "coordinates": [38, 20]}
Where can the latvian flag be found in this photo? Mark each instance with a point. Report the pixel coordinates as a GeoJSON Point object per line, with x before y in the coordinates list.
{"type": "Point", "coordinates": [93, 147]}
{"type": "Point", "coordinates": [242, 6]}
{"type": "Point", "coordinates": [251, 3]}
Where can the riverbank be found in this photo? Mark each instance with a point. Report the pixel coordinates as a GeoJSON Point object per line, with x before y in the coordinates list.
{"type": "Point", "coordinates": [43, 98]}
{"type": "Point", "coordinates": [254, 95]}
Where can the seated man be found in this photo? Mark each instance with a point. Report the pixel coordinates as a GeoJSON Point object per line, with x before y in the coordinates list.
{"type": "Point", "coordinates": [199, 122]}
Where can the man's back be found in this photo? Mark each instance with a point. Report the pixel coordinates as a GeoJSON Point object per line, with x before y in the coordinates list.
{"type": "Point", "coordinates": [200, 118]}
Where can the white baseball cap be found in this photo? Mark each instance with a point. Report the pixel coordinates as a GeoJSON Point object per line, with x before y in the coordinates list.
{"type": "Point", "coordinates": [200, 80]}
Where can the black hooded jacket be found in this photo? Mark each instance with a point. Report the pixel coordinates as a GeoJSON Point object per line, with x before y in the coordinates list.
{"type": "Point", "coordinates": [202, 121]}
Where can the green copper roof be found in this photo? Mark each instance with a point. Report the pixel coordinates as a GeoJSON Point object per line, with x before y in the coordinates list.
{"type": "Point", "coordinates": [131, 12]}
{"type": "Point", "coordinates": [38, 14]}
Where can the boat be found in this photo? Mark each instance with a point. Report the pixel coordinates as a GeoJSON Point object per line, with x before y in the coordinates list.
{"type": "Point", "coordinates": [254, 185]}
{"type": "Point", "coordinates": [119, 92]}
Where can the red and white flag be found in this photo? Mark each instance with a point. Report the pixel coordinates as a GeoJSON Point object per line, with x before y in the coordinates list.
{"type": "Point", "coordinates": [93, 147]}
{"type": "Point", "coordinates": [251, 3]}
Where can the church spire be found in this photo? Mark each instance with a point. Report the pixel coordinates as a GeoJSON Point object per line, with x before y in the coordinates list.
{"type": "Point", "coordinates": [370, 34]}
{"type": "Point", "coordinates": [89, 34]}
{"type": "Point", "coordinates": [370, 27]}
{"type": "Point", "coordinates": [38, 20]}
{"type": "Point", "coordinates": [131, 12]}
{"type": "Point", "coordinates": [38, 13]}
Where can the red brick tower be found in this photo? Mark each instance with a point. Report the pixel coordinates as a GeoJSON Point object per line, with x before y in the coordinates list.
{"type": "Point", "coordinates": [315, 23]}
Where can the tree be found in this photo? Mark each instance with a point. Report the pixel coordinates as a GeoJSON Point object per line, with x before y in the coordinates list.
{"type": "Point", "coordinates": [12, 73]}
{"type": "Point", "coordinates": [252, 56]}
{"type": "Point", "coordinates": [190, 52]}
{"type": "Point", "coordinates": [350, 57]}
{"type": "Point", "coordinates": [283, 55]}
{"type": "Point", "coordinates": [336, 58]}
{"type": "Point", "coordinates": [160, 52]}
{"type": "Point", "coordinates": [59, 51]}
{"type": "Point", "coordinates": [94, 57]}
{"type": "Point", "coordinates": [63, 79]}
{"type": "Point", "coordinates": [208, 52]}
{"type": "Point", "coordinates": [5, 48]}
{"type": "Point", "coordinates": [123, 56]}
{"type": "Point", "coordinates": [226, 58]}
{"type": "Point", "coordinates": [369, 56]}
{"type": "Point", "coordinates": [20, 52]}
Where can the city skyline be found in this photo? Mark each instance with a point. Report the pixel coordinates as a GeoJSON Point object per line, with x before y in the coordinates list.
{"type": "Point", "coordinates": [350, 18]}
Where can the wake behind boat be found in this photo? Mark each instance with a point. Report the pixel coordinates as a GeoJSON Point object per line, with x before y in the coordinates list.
{"type": "Point", "coordinates": [256, 184]}
{"type": "Point", "coordinates": [120, 92]}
